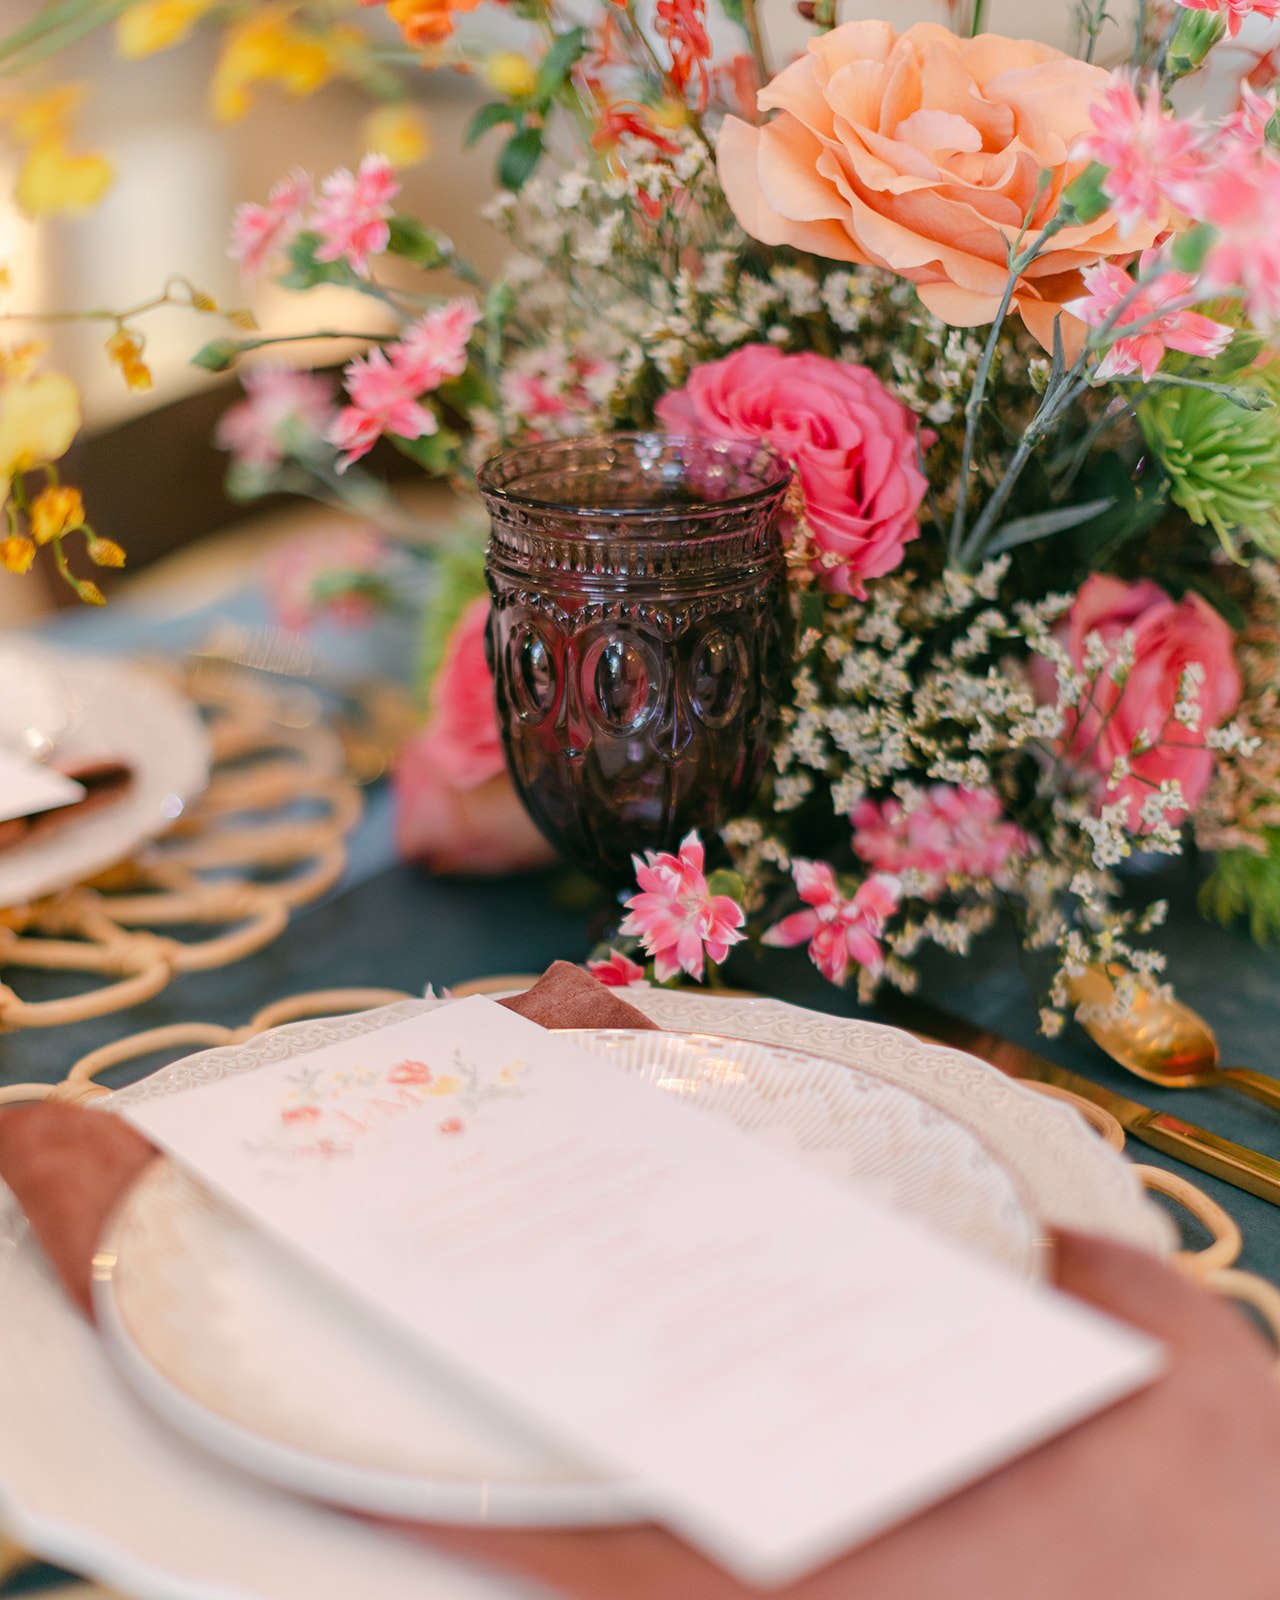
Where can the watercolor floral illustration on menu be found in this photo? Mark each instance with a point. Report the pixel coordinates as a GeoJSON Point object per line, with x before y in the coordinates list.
{"type": "Point", "coordinates": [1008, 313]}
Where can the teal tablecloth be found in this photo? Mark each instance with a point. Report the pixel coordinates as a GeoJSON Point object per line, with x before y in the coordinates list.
{"type": "Point", "coordinates": [393, 926]}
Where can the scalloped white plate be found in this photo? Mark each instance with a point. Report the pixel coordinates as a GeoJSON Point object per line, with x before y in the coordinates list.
{"type": "Point", "coordinates": [262, 1362]}
{"type": "Point", "coordinates": [120, 712]}
{"type": "Point", "coordinates": [91, 1478]}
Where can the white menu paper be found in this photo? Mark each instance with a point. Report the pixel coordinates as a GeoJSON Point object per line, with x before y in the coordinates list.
{"type": "Point", "coordinates": [26, 787]}
{"type": "Point", "coordinates": [785, 1366]}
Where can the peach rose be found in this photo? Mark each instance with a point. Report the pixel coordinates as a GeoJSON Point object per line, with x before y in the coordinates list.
{"type": "Point", "coordinates": [921, 153]}
{"type": "Point", "coordinates": [456, 810]}
{"type": "Point", "coordinates": [1168, 636]}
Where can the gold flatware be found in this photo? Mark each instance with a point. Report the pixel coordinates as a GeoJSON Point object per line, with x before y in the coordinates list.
{"type": "Point", "coordinates": [1163, 1041]}
{"type": "Point", "coordinates": [1221, 1158]}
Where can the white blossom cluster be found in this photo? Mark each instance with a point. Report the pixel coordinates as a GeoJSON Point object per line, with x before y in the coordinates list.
{"type": "Point", "coordinates": [933, 681]}
{"type": "Point", "coordinates": [644, 274]}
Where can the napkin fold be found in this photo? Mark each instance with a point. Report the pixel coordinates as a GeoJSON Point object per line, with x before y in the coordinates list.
{"type": "Point", "coordinates": [1169, 1495]}
{"type": "Point", "coordinates": [104, 783]}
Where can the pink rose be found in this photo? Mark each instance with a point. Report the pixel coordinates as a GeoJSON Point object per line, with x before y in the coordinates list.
{"type": "Point", "coordinates": [456, 810]}
{"type": "Point", "coordinates": [1168, 637]}
{"type": "Point", "coordinates": [853, 447]}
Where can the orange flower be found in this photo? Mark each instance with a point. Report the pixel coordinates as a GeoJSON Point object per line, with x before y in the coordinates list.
{"type": "Point", "coordinates": [125, 349]}
{"type": "Point", "coordinates": [922, 153]}
{"type": "Point", "coordinates": [427, 22]}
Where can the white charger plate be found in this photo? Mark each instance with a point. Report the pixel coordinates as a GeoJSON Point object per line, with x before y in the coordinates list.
{"type": "Point", "coordinates": [119, 712]}
{"type": "Point", "coordinates": [261, 1361]}
{"type": "Point", "coordinates": [90, 1478]}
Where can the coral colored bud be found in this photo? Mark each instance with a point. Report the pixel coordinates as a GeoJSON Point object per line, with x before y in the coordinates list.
{"type": "Point", "coordinates": [90, 593]}
{"type": "Point", "coordinates": [54, 511]}
{"type": "Point", "coordinates": [105, 553]}
{"type": "Point", "coordinates": [16, 553]}
{"type": "Point", "coordinates": [511, 74]}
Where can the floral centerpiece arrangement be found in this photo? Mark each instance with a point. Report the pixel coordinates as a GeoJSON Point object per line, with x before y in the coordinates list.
{"type": "Point", "coordinates": [1007, 314]}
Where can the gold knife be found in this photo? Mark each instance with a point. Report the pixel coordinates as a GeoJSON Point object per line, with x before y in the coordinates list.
{"type": "Point", "coordinates": [1233, 1163]}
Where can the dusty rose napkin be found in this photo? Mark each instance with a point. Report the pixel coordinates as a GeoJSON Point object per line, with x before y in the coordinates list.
{"type": "Point", "coordinates": [1170, 1495]}
{"type": "Point", "coordinates": [105, 782]}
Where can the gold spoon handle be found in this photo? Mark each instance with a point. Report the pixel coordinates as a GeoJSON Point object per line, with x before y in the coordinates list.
{"type": "Point", "coordinates": [1257, 1084]}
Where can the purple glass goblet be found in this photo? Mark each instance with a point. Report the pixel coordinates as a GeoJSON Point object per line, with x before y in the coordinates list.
{"type": "Point", "coordinates": [638, 637]}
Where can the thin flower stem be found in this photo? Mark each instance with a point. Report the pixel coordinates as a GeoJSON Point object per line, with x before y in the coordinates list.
{"type": "Point", "coordinates": [1093, 21]}
{"type": "Point", "coordinates": [976, 20]}
{"type": "Point", "coordinates": [1056, 400]}
{"type": "Point", "coordinates": [751, 27]}
{"type": "Point", "coordinates": [1019, 260]}
{"type": "Point", "coordinates": [1139, 35]}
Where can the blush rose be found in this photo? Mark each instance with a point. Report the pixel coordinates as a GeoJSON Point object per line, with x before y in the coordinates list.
{"type": "Point", "coordinates": [456, 810]}
{"type": "Point", "coordinates": [853, 447]}
{"type": "Point", "coordinates": [1168, 636]}
{"type": "Point", "coordinates": [922, 153]}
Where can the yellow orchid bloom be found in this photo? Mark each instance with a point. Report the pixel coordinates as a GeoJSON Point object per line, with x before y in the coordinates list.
{"type": "Point", "coordinates": [35, 118]}
{"type": "Point", "coordinates": [17, 553]}
{"type": "Point", "coordinates": [56, 511]}
{"type": "Point", "coordinates": [125, 349]}
{"type": "Point", "coordinates": [268, 48]}
{"type": "Point", "coordinates": [398, 132]}
{"type": "Point", "coordinates": [510, 74]}
{"type": "Point", "coordinates": [53, 181]}
{"type": "Point", "coordinates": [148, 26]}
{"type": "Point", "coordinates": [39, 417]}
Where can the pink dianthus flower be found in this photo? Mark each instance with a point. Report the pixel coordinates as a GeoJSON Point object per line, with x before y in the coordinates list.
{"type": "Point", "coordinates": [1159, 305]}
{"type": "Point", "coordinates": [676, 917]}
{"type": "Point", "coordinates": [838, 931]}
{"type": "Point", "coordinates": [259, 233]}
{"type": "Point", "coordinates": [351, 216]}
{"type": "Point", "coordinates": [1151, 154]}
{"type": "Point", "coordinates": [951, 832]}
{"type": "Point", "coordinates": [1235, 12]}
{"type": "Point", "coordinates": [618, 971]}
{"type": "Point", "coordinates": [284, 410]}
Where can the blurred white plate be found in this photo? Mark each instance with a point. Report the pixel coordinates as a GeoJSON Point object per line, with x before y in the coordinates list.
{"type": "Point", "coordinates": [93, 1479]}
{"type": "Point", "coordinates": [120, 712]}
{"type": "Point", "coordinates": [261, 1361]}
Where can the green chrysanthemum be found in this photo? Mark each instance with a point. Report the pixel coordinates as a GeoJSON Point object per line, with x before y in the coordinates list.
{"type": "Point", "coordinates": [1223, 458]}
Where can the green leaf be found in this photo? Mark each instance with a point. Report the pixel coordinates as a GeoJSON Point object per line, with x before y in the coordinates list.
{"type": "Point", "coordinates": [220, 355]}
{"type": "Point", "coordinates": [734, 10]}
{"type": "Point", "coordinates": [1240, 353]}
{"type": "Point", "coordinates": [1190, 248]}
{"type": "Point", "coordinates": [726, 881]}
{"type": "Point", "coordinates": [556, 66]}
{"type": "Point", "coordinates": [1083, 198]}
{"type": "Point", "coordinates": [490, 116]}
{"type": "Point", "coordinates": [1022, 530]}
{"type": "Point", "coordinates": [305, 271]}
{"type": "Point", "coordinates": [1245, 884]}
{"type": "Point", "coordinates": [55, 28]}
{"type": "Point", "coordinates": [812, 610]}
{"type": "Point", "coordinates": [437, 452]}
{"type": "Point", "coordinates": [519, 157]}
{"type": "Point", "coordinates": [423, 246]}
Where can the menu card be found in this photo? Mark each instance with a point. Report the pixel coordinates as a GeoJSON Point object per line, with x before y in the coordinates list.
{"type": "Point", "coordinates": [784, 1366]}
{"type": "Point", "coordinates": [26, 787]}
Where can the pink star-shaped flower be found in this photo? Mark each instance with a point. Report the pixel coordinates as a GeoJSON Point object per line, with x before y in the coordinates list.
{"type": "Point", "coordinates": [1160, 306]}
{"type": "Point", "coordinates": [839, 931]}
{"type": "Point", "coordinates": [259, 233]}
{"type": "Point", "coordinates": [351, 216]}
{"type": "Point", "coordinates": [676, 917]}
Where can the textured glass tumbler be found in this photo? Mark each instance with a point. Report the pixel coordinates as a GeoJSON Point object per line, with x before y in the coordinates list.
{"type": "Point", "coordinates": [638, 634]}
